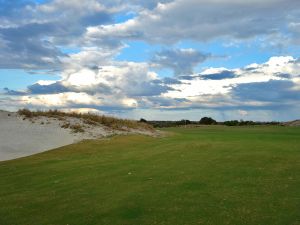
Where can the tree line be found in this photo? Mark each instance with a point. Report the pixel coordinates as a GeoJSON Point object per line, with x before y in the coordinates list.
{"type": "Point", "coordinates": [205, 121]}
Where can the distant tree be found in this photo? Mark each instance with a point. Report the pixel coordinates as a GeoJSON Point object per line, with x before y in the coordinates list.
{"type": "Point", "coordinates": [187, 122]}
{"type": "Point", "coordinates": [142, 120]}
{"type": "Point", "coordinates": [207, 121]}
{"type": "Point", "coordinates": [232, 123]}
{"type": "Point", "coordinates": [183, 122]}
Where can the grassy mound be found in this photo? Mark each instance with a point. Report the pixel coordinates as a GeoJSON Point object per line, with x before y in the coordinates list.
{"type": "Point", "coordinates": [89, 118]}
{"type": "Point", "coordinates": [209, 175]}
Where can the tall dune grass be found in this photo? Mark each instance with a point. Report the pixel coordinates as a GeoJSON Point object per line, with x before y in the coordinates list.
{"type": "Point", "coordinates": [88, 118]}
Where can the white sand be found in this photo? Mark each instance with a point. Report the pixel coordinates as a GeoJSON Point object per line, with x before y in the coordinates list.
{"type": "Point", "coordinates": [19, 137]}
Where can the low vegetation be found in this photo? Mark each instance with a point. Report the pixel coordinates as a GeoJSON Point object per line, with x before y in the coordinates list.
{"type": "Point", "coordinates": [248, 123]}
{"type": "Point", "coordinates": [206, 121]}
{"type": "Point", "coordinates": [77, 128]}
{"type": "Point", "coordinates": [89, 118]}
{"type": "Point", "coordinates": [210, 175]}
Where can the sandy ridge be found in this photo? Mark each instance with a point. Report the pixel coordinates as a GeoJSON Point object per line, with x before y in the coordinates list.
{"type": "Point", "coordinates": [21, 137]}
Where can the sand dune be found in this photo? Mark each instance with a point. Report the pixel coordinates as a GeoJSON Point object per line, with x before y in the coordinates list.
{"type": "Point", "coordinates": [295, 123]}
{"type": "Point", "coordinates": [21, 137]}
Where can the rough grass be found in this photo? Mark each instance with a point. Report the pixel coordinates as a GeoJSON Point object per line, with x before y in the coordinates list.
{"type": "Point", "coordinates": [77, 128]}
{"type": "Point", "coordinates": [208, 175]}
{"type": "Point", "coordinates": [90, 119]}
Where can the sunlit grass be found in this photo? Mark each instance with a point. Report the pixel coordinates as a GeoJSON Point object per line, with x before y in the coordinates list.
{"type": "Point", "coordinates": [208, 175]}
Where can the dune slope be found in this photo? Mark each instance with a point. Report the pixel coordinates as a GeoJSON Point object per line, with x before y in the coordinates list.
{"type": "Point", "coordinates": [21, 136]}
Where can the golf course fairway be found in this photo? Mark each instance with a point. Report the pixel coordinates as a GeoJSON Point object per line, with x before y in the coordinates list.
{"type": "Point", "coordinates": [204, 175]}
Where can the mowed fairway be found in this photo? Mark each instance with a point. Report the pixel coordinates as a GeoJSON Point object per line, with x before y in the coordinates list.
{"type": "Point", "coordinates": [209, 175]}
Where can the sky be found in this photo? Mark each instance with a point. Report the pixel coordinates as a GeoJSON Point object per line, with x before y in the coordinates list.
{"type": "Point", "coordinates": [158, 60]}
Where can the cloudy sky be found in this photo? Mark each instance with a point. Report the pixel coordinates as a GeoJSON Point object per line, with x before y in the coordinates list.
{"type": "Point", "coordinates": [156, 59]}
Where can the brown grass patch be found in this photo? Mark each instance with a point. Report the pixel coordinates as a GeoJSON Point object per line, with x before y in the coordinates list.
{"type": "Point", "coordinates": [77, 128]}
{"type": "Point", "coordinates": [89, 118]}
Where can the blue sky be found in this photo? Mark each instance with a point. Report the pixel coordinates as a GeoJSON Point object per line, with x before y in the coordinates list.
{"type": "Point", "coordinates": [168, 59]}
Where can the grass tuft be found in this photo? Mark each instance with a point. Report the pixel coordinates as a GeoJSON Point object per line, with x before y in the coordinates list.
{"type": "Point", "coordinates": [77, 128]}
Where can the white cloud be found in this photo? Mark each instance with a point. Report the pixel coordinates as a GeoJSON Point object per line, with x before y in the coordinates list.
{"type": "Point", "coordinates": [218, 92]}
{"type": "Point", "coordinates": [45, 82]}
{"type": "Point", "coordinates": [130, 85]}
{"type": "Point", "coordinates": [91, 56]}
{"type": "Point", "coordinates": [32, 37]}
{"type": "Point", "coordinates": [60, 100]}
{"type": "Point", "coordinates": [84, 77]}
{"type": "Point", "coordinates": [116, 86]}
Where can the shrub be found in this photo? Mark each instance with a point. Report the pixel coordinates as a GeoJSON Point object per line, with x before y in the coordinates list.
{"type": "Point", "coordinates": [183, 122]}
{"type": "Point", "coordinates": [142, 120]}
{"type": "Point", "coordinates": [207, 121]}
{"type": "Point", "coordinates": [65, 125]}
{"type": "Point", "coordinates": [231, 123]}
{"type": "Point", "coordinates": [25, 112]}
{"type": "Point", "coordinates": [77, 128]}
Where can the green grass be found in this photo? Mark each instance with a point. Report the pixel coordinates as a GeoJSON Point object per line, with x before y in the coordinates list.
{"type": "Point", "coordinates": [208, 175]}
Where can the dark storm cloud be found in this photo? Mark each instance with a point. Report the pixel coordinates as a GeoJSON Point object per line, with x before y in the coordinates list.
{"type": "Point", "coordinates": [284, 75]}
{"type": "Point", "coordinates": [170, 80]}
{"type": "Point", "coordinates": [35, 89]}
{"type": "Point", "coordinates": [165, 102]}
{"type": "Point", "coordinates": [54, 88]}
{"type": "Point", "coordinates": [24, 48]}
{"type": "Point", "coordinates": [146, 89]}
{"type": "Point", "coordinates": [187, 77]}
{"type": "Point", "coordinates": [203, 20]}
{"type": "Point", "coordinates": [277, 91]}
{"type": "Point", "coordinates": [59, 87]}
{"type": "Point", "coordinates": [182, 61]}
{"type": "Point", "coordinates": [7, 91]}
{"type": "Point", "coordinates": [31, 33]}
{"type": "Point", "coordinates": [226, 74]}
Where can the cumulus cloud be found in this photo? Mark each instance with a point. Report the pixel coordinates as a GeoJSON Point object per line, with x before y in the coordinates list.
{"type": "Point", "coordinates": [127, 78]}
{"type": "Point", "coordinates": [256, 86]}
{"type": "Point", "coordinates": [80, 41]}
{"type": "Point", "coordinates": [128, 85]}
{"type": "Point", "coordinates": [123, 85]}
{"type": "Point", "coordinates": [31, 33]}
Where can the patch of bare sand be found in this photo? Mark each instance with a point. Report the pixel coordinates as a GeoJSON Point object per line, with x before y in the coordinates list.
{"type": "Point", "coordinates": [295, 123]}
{"type": "Point", "coordinates": [21, 137]}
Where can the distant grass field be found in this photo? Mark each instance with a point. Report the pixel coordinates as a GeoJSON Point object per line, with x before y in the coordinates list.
{"type": "Point", "coordinates": [209, 175]}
